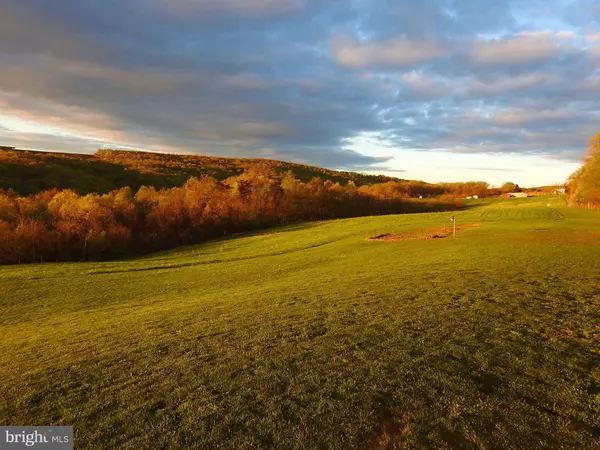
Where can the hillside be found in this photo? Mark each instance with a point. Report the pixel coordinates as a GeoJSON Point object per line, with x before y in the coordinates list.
{"type": "Point", "coordinates": [29, 172]}
{"type": "Point", "coordinates": [310, 336]}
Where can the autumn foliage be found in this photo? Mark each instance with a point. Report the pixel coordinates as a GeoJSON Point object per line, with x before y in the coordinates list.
{"type": "Point", "coordinates": [584, 185]}
{"type": "Point", "coordinates": [68, 207]}
{"type": "Point", "coordinates": [65, 226]}
{"type": "Point", "coordinates": [30, 172]}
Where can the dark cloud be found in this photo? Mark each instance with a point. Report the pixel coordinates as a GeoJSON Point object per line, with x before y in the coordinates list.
{"type": "Point", "coordinates": [383, 169]}
{"type": "Point", "coordinates": [300, 79]}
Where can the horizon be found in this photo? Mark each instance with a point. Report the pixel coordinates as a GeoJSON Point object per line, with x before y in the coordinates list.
{"type": "Point", "coordinates": [491, 185]}
{"type": "Point", "coordinates": [494, 91]}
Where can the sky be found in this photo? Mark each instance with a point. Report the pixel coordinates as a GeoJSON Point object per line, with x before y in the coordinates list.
{"type": "Point", "coordinates": [437, 90]}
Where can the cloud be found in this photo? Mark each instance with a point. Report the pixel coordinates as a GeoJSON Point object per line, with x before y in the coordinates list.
{"type": "Point", "coordinates": [383, 169]}
{"type": "Point", "coordinates": [575, 155]}
{"type": "Point", "coordinates": [518, 83]}
{"type": "Point", "coordinates": [594, 46]}
{"type": "Point", "coordinates": [23, 32]}
{"type": "Point", "coordinates": [48, 142]}
{"type": "Point", "coordinates": [300, 79]}
{"type": "Point", "coordinates": [517, 117]}
{"type": "Point", "coordinates": [423, 85]}
{"type": "Point", "coordinates": [249, 8]}
{"type": "Point", "coordinates": [491, 169]}
{"type": "Point", "coordinates": [399, 52]}
{"type": "Point", "coordinates": [522, 48]}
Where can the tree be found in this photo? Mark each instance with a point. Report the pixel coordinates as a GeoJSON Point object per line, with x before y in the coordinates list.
{"type": "Point", "coordinates": [32, 239]}
{"type": "Point", "coordinates": [64, 225]}
{"type": "Point", "coordinates": [80, 222]}
{"type": "Point", "coordinates": [123, 206]}
{"type": "Point", "coordinates": [197, 195]}
{"type": "Point", "coordinates": [584, 185]}
{"type": "Point", "coordinates": [8, 253]}
{"type": "Point", "coordinates": [510, 187]}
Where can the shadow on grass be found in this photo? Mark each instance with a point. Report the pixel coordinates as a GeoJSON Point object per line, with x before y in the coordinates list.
{"type": "Point", "coordinates": [215, 261]}
{"type": "Point", "coordinates": [267, 230]}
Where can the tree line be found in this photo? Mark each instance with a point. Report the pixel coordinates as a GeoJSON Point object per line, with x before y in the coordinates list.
{"type": "Point", "coordinates": [62, 225]}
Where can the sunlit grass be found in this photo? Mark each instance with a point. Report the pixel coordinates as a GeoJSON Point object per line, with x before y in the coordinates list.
{"type": "Point", "coordinates": [310, 336]}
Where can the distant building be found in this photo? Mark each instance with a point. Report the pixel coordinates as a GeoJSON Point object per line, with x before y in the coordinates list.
{"type": "Point", "coordinates": [518, 195]}
{"type": "Point", "coordinates": [476, 196]}
{"type": "Point", "coordinates": [6, 147]}
{"type": "Point", "coordinates": [560, 191]}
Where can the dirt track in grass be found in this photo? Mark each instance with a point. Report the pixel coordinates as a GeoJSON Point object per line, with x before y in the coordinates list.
{"type": "Point", "coordinates": [423, 235]}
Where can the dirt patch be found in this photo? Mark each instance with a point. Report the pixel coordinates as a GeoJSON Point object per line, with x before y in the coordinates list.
{"type": "Point", "coordinates": [393, 433]}
{"type": "Point", "coordinates": [405, 237]}
{"type": "Point", "coordinates": [469, 226]}
{"type": "Point", "coordinates": [423, 235]}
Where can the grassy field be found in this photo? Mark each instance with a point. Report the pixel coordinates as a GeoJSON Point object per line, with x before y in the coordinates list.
{"type": "Point", "coordinates": [310, 336]}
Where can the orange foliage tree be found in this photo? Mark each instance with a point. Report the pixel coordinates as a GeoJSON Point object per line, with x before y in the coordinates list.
{"type": "Point", "coordinates": [65, 226]}
{"type": "Point", "coordinates": [584, 185]}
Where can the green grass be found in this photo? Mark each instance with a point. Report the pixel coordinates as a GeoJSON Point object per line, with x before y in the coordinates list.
{"type": "Point", "coordinates": [309, 336]}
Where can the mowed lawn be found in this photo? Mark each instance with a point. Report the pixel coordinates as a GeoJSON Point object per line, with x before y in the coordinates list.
{"type": "Point", "coordinates": [310, 336]}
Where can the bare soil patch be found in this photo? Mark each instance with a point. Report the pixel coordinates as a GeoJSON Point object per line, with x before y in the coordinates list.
{"type": "Point", "coordinates": [393, 433]}
{"type": "Point", "coordinates": [422, 235]}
